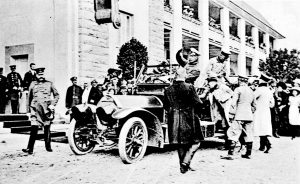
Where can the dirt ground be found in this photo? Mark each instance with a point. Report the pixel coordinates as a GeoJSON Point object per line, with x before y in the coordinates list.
{"type": "Point", "coordinates": [281, 165]}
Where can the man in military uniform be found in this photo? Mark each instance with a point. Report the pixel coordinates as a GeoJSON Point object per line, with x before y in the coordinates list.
{"type": "Point", "coordinates": [74, 94]}
{"type": "Point", "coordinates": [14, 81]}
{"type": "Point", "coordinates": [3, 89]}
{"type": "Point", "coordinates": [95, 95]}
{"type": "Point", "coordinates": [41, 108]}
{"type": "Point", "coordinates": [29, 76]}
{"type": "Point", "coordinates": [241, 116]}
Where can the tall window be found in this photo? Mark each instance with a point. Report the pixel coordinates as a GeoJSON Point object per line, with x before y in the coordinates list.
{"type": "Point", "coordinates": [248, 66]}
{"type": "Point", "coordinates": [233, 63]}
{"type": "Point", "coordinates": [214, 16]}
{"type": "Point", "coordinates": [125, 33]}
{"type": "Point", "coordinates": [233, 24]}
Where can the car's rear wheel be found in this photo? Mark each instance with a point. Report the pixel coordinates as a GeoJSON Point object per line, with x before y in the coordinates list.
{"type": "Point", "coordinates": [133, 140]}
{"type": "Point", "coordinates": [79, 139]}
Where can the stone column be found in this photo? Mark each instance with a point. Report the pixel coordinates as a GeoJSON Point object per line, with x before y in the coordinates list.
{"type": "Point", "coordinates": [176, 33]}
{"type": "Point", "coordinates": [225, 28]}
{"type": "Point", "coordinates": [267, 42]}
{"type": "Point", "coordinates": [242, 54]}
{"type": "Point", "coordinates": [203, 8]}
{"type": "Point", "coordinates": [255, 61]}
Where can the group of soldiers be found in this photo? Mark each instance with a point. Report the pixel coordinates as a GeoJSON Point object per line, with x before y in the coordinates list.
{"type": "Point", "coordinates": [12, 86]}
{"type": "Point", "coordinates": [242, 113]}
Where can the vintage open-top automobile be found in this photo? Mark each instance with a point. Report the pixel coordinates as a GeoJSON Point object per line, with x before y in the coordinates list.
{"type": "Point", "coordinates": [132, 122]}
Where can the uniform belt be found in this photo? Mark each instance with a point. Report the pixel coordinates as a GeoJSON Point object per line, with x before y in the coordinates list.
{"type": "Point", "coordinates": [75, 97]}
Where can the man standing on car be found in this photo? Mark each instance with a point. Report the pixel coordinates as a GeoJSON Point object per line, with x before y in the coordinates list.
{"type": "Point", "coordinates": [181, 103]}
{"type": "Point", "coordinates": [41, 108]}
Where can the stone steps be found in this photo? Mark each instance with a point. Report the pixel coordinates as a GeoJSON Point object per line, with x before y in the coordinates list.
{"type": "Point", "coordinates": [20, 123]}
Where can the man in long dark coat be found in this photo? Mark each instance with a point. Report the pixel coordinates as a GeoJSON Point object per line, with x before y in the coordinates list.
{"type": "Point", "coordinates": [3, 90]}
{"type": "Point", "coordinates": [29, 76]}
{"type": "Point", "coordinates": [41, 108]}
{"type": "Point", "coordinates": [14, 81]}
{"type": "Point", "coordinates": [74, 94]}
{"type": "Point", "coordinates": [95, 94]}
{"type": "Point", "coordinates": [181, 102]}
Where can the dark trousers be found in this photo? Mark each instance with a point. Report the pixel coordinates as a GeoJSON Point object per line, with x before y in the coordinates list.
{"type": "Point", "coordinates": [294, 130]}
{"type": "Point", "coordinates": [14, 106]}
{"type": "Point", "coordinates": [33, 136]}
{"type": "Point", "coordinates": [2, 106]}
{"type": "Point", "coordinates": [186, 152]}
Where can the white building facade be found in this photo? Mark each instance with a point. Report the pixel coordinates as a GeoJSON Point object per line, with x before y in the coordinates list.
{"type": "Point", "coordinates": [63, 36]}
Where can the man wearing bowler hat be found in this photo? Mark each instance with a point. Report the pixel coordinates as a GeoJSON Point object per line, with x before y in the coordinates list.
{"type": "Point", "coordinates": [41, 108]}
{"type": "Point", "coordinates": [74, 94]}
{"type": "Point", "coordinates": [14, 81]}
{"type": "Point", "coordinates": [3, 90]}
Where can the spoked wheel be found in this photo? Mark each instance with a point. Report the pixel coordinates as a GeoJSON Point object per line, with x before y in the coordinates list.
{"type": "Point", "coordinates": [79, 139]}
{"type": "Point", "coordinates": [133, 140]}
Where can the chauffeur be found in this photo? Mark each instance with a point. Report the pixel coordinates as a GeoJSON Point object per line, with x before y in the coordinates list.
{"type": "Point", "coordinates": [41, 108]}
{"type": "Point", "coordinates": [74, 94]}
{"type": "Point", "coordinates": [14, 81]}
{"type": "Point", "coordinates": [181, 103]}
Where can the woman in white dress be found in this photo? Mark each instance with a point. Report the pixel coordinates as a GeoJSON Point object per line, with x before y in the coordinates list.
{"type": "Point", "coordinates": [262, 116]}
{"type": "Point", "coordinates": [294, 115]}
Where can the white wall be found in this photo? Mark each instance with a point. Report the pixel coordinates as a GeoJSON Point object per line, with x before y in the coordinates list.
{"type": "Point", "coordinates": [45, 24]}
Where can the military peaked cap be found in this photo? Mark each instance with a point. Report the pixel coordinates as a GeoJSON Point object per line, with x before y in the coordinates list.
{"type": "Point", "coordinates": [12, 66]}
{"type": "Point", "coordinates": [40, 70]}
{"type": "Point", "coordinates": [73, 78]}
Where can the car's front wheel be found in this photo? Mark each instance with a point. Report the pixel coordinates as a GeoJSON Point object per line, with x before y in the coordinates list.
{"type": "Point", "coordinates": [79, 139]}
{"type": "Point", "coordinates": [133, 140]}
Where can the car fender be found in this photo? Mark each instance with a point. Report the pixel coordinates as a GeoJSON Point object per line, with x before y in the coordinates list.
{"type": "Point", "coordinates": [155, 131]}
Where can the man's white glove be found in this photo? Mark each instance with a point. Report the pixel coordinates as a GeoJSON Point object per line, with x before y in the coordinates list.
{"type": "Point", "coordinates": [51, 107]}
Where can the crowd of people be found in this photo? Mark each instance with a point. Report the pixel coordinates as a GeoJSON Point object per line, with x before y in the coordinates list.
{"type": "Point", "coordinates": [260, 107]}
{"type": "Point", "coordinates": [244, 110]}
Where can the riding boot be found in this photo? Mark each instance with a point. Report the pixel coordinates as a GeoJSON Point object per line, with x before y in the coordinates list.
{"type": "Point", "coordinates": [32, 138]}
{"type": "Point", "coordinates": [276, 133]}
{"type": "Point", "coordinates": [262, 143]}
{"type": "Point", "coordinates": [268, 145]}
{"type": "Point", "coordinates": [47, 138]}
{"type": "Point", "coordinates": [231, 147]}
{"type": "Point", "coordinates": [248, 150]}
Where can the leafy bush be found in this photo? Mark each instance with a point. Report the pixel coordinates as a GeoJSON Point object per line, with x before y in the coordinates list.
{"type": "Point", "coordinates": [282, 65]}
{"type": "Point", "coordinates": [129, 52]}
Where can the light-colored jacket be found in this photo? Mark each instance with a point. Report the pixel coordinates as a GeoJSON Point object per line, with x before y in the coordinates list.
{"type": "Point", "coordinates": [262, 116]}
{"type": "Point", "coordinates": [243, 104]}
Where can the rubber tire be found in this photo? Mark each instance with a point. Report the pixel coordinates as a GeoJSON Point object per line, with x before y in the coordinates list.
{"type": "Point", "coordinates": [122, 140]}
{"type": "Point", "coordinates": [71, 140]}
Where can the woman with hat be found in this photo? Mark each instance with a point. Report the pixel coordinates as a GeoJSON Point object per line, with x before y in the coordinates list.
{"type": "Point", "coordinates": [294, 115]}
{"type": "Point", "coordinates": [262, 116]}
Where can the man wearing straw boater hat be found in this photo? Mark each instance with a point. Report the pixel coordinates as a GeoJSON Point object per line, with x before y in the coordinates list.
{"type": "Point", "coordinates": [182, 103]}
{"type": "Point", "coordinates": [41, 108]}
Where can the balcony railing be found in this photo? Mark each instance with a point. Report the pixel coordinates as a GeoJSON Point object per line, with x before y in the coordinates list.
{"type": "Point", "coordinates": [214, 29]}
{"type": "Point", "coordinates": [213, 26]}
{"type": "Point", "coordinates": [191, 19]}
{"type": "Point", "coordinates": [251, 45]}
{"type": "Point", "coordinates": [167, 6]}
{"type": "Point", "coordinates": [235, 38]}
